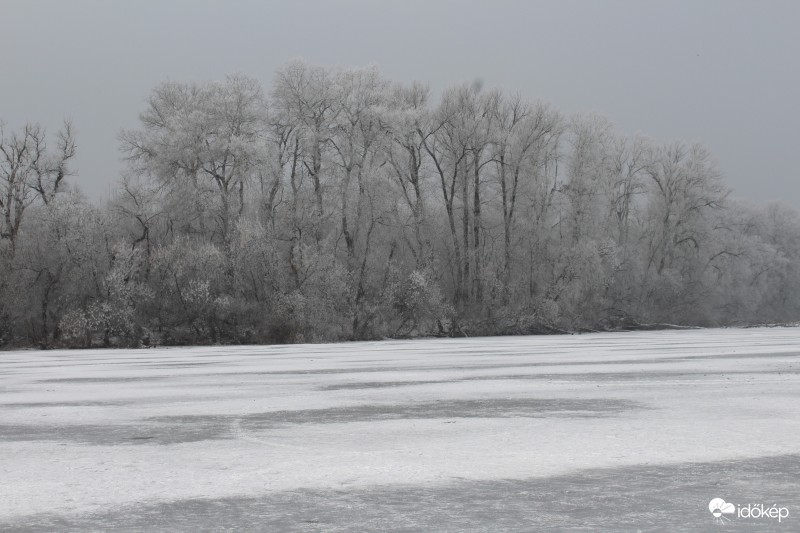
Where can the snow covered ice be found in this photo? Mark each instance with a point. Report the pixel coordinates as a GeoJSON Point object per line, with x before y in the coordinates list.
{"type": "Point", "coordinates": [306, 433]}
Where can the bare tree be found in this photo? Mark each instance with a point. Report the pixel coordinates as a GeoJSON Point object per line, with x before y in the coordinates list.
{"type": "Point", "coordinates": [29, 171]}
{"type": "Point", "coordinates": [405, 154]}
{"type": "Point", "coordinates": [525, 143]}
{"type": "Point", "coordinates": [307, 95]}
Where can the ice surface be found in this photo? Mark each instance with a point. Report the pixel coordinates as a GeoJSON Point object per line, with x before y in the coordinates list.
{"type": "Point", "coordinates": [91, 431]}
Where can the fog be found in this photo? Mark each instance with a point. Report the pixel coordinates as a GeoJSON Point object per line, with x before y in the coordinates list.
{"type": "Point", "coordinates": [718, 72]}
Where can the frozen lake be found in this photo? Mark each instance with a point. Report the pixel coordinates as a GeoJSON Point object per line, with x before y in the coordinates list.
{"type": "Point", "coordinates": [614, 431]}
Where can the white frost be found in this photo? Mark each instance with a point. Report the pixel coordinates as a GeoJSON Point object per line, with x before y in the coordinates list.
{"type": "Point", "coordinates": [694, 408]}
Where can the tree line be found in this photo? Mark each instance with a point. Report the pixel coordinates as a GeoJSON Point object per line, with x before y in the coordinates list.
{"type": "Point", "coordinates": [340, 205]}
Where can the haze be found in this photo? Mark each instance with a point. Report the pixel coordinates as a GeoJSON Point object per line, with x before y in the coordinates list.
{"type": "Point", "coordinates": [723, 73]}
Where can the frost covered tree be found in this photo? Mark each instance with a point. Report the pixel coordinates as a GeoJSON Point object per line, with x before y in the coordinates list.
{"type": "Point", "coordinates": [29, 171]}
{"type": "Point", "coordinates": [336, 204]}
{"type": "Point", "coordinates": [203, 143]}
{"type": "Point", "coordinates": [685, 193]}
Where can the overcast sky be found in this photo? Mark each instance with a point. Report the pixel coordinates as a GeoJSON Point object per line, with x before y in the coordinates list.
{"type": "Point", "coordinates": [725, 73]}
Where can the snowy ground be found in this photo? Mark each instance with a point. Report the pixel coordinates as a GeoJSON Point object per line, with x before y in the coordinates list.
{"type": "Point", "coordinates": [627, 431]}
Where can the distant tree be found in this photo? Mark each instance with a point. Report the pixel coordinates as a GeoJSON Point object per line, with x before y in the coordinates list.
{"type": "Point", "coordinates": [29, 171]}
{"type": "Point", "coordinates": [339, 205]}
{"type": "Point", "coordinates": [204, 141]}
{"type": "Point", "coordinates": [684, 193]}
{"type": "Point", "coordinates": [525, 139]}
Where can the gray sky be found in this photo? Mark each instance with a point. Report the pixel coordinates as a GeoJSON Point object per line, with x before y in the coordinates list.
{"type": "Point", "coordinates": [724, 72]}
